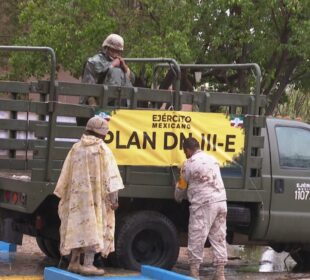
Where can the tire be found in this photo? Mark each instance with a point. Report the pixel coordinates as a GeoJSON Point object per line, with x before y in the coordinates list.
{"type": "Point", "coordinates": [49, 247]}
{"type": "Point", "coordinates": [42, 247]}
{"type": "Point", "coordinates": [278, 247]}
{"type": "Point", "coordinates": [146, 237]}
{"type": "Point", "coordinates": [301, 257]}
{"type": "Point", "coordinates": [52, 247]}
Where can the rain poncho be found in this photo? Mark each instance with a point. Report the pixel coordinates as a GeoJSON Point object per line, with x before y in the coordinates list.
{"type": "Point", "coordinates": [88, 176]}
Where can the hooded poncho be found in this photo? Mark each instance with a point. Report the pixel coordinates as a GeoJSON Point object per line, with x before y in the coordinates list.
{"type": "Point", "coordinates": [89, 174]}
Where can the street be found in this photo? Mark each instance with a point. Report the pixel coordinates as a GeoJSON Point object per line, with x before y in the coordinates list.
{"type": "Point", "coordinates": [244, 263]}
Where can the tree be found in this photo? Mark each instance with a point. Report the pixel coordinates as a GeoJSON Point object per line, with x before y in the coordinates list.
{"type": "Point", "coordinates": [8, 20]}
{"type": "Point", "coordinates": [72, 28]}
{"type": "Point", "coordinates": [75, 30]}
{"type": "Point", "coordinates": [272, 33]}
{"type": "Point", "coordinates": [295, 105]}
{"type": "Point", "coordinates": [8, 25]}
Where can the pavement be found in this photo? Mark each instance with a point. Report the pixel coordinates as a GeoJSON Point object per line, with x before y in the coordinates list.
{"type": "Point", "coordinates": [244, 264]}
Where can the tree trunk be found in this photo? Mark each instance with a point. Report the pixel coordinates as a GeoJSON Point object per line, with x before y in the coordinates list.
{"type": "Point", "coordinates": [283, 82]}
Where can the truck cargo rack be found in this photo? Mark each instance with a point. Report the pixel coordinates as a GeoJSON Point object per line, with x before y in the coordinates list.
{"type": "Point", "coordinates": [46, 140]}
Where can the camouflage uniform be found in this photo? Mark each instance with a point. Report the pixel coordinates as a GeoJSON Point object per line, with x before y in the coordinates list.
{"type": "Point", "coordinates": [208, 210]}
{"type": "Point", "coordinates": [98, 70]}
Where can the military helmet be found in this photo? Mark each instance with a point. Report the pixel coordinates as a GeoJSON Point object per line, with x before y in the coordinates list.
{"type": "Point", "coordinates": [114, 41]}
{"type": "Point", "coordinates": [98, 125]}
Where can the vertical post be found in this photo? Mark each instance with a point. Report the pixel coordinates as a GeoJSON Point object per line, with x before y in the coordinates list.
{"type": "Point", "coordinates": [12, 133]}
{"type": "Point", "coordinates": [176, 66]}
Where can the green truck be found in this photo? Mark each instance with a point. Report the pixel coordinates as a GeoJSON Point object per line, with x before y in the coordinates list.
{"type": "Point", "coordinates": [267, 183]}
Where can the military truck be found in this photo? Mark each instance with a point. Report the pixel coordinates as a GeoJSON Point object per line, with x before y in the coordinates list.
{"type": "Point", "coordinates": [267, 181]}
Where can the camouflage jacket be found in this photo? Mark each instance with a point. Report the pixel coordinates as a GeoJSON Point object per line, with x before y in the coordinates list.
{"type": "Point", "coordinates": [205, 184]}
{"type": "Point", "coordinates": [97, 68]}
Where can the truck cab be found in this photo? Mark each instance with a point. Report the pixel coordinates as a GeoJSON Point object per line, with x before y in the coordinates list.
{"type": "Point", "coordinates": [287, 164]}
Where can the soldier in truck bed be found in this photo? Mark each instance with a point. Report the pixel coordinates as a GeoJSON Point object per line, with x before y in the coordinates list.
{"type": "Point", "coordinates": [108, 66]}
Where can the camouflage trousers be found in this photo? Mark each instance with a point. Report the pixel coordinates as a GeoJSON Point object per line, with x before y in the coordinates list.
{"type": "Point", "coordinates": [207, 221]}
{"type": "Point", "coordinates": [116, 77]}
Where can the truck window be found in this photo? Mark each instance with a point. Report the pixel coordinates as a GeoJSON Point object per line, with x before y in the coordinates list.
{"type": "Point", "coordinates": [293, 147]}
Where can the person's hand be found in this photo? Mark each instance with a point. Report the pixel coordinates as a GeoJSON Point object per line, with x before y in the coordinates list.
{"type": "Point", "coordinates": [123, 64]}
{"type": "Point", "coordinates": [179, 194]}
{"type": "Point", "coordinates": [116, 62]}
{"type": "Point", "coordinates": [114, 206]}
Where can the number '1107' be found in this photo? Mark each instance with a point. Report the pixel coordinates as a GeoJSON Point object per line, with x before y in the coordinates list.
{"type": "Point", "coordinates": [301, 195]}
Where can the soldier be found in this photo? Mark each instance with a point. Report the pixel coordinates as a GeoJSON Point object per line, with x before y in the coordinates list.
{"type": "Point", "coordinates": [108, 66]}
{"type": "Point", "coordinates": [88, 190]}
{"type": "Point", "coordinates": [201, 181]}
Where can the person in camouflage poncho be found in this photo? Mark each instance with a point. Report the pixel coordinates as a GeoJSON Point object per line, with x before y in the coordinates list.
{"type": "Point", "coordinates": [88, 190]}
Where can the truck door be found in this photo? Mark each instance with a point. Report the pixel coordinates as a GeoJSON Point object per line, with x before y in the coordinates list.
{"type": "Point", "coordinates": [290, 194]}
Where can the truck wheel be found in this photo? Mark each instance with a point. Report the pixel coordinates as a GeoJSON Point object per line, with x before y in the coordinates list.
{"type": "Point", "coordinates": [146, 237]}
{"type": "Point", "coordinates": [53, 247]}
{"type": "Point", "coordinates": [301, 257]}
{"type": "Point", "coordinates": [49, 247]}
{"type": "Point", "coordinates": [42, 247]}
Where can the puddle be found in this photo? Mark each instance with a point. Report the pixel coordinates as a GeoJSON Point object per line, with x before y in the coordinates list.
{"type": "Point", "coordinates": [261, 259]}
{"type": "Point", "coordinates": [23, 264]}
{"type": "Point", "coordinates": [277, 262]}
{"type": "Point", "coordinates": [267, 261]}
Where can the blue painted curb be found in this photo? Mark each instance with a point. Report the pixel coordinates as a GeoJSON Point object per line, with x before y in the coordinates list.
{"type": "Point", "coordinates": [7, 247]}
{"type": "Point", "coordinates": [147, 273]}
{"type": "Point", "coordinates": [162, 274]}
{"type": "Point", "coordinates": [52, 273]}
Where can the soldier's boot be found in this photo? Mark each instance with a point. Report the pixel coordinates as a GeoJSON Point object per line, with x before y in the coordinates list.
{"type": "Point", "coordinates": [194, 270]}
{"type": "Point", "coordinates": [219, 273]}
{"type": "Point", "coordinates": [88, 268]}
{"type": "Point", "coordinates": [74, 265]}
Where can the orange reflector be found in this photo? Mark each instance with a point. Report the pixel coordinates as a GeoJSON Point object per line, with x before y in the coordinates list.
{"type": "Point", "coordinates": [15, 197]}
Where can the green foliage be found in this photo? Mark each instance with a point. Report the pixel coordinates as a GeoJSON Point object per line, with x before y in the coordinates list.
{"type": "Point", "coordinates": [74, 29]}
{"type": "Point", "coordinates": [295, 105]}
{"type": "Point", "coordinates": [8, 27]}
{"type": "Point", "coordinates": [158, 29]}
{"type": "Point", "coordinates": [8, 20]}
